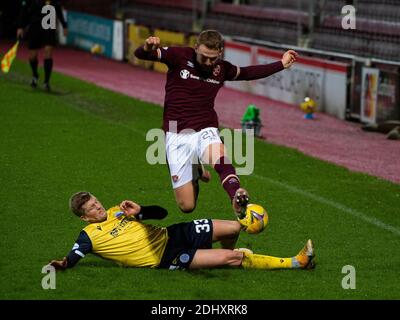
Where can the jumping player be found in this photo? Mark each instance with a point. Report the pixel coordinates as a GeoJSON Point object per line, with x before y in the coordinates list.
{"type": "Point", "coordinates": [194, 78]}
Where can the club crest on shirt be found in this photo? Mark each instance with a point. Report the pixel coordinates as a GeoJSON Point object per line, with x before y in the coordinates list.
{"type": "Point", "coordinates": [184, 74]}
{"type": "Point", "coordinates": [184, 258]}
{"type": "Point", "coordinates": [217, 70]}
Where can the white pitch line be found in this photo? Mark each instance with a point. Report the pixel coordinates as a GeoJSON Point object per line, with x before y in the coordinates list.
{"type": "Point", "coordinates": [333, 204]}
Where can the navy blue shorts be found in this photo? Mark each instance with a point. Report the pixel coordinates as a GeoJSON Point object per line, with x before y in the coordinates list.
{"type": "Point", "coordinates": [184, 240]}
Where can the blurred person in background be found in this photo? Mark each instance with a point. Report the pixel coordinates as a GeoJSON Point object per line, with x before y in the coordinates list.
{"type": "Point", "coordinates": [30, 27]}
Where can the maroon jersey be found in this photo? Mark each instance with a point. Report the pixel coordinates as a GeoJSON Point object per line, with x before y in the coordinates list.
{"type": "Point", "coordinates": [190, 92]}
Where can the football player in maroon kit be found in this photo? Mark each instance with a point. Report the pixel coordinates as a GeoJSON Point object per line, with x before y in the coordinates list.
{"type": "Point", "coordinates": [194, 78]}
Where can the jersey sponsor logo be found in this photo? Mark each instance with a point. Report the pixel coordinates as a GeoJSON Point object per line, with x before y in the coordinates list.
{"type": "Point", "coordinates": [184, 74]}
{"type": "Point", "coordinates": [120, 226]}
{"type": "Point", "coordinates": [212, 81]}
{"type": "Point", "coordinates": [216, 71]}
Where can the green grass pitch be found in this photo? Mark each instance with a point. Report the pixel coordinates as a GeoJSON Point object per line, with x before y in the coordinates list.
{"type": "Point", "coordinates": [83, 137]}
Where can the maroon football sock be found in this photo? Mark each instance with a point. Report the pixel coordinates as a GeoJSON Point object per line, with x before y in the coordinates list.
{"type": "Point", "coordinates": [227, 174]}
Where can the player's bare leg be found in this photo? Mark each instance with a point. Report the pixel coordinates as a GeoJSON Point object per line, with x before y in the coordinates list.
{"type": "Point", "coordinates": [215, 154]}
{"type": "Point", "coordinates": [33, 61]}
{"type": "Point", "coordinates": [48, 66]}
{"type": "Point", "coordinates": [204, 175]}
{"type": "Point", "coordinates": [186, 196]}
{"type": "Point", "coordinates": [226, 232]}
{"type": "Point", "coordinates": [212, 258]}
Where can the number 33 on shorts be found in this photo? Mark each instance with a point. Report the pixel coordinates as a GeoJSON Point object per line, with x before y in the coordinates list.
{"type": "Point", "coordinates": [202, 225]}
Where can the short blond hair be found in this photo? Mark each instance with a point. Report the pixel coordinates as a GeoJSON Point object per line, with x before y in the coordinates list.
{"type": "Point", "coordinates": [77, 201]}
{"type": "Point", "coordinates": [212, 39]}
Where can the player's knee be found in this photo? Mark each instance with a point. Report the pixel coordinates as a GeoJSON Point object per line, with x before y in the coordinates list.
{"type": "Point", "coordinates": [236, 228]}
{"type": "Point", "coordinates": [233, 227]}
{"type": "Point", "coordinates": [186, 207]}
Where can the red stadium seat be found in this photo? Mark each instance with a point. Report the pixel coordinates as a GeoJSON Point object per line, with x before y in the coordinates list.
{"type": "Point", "coordinates": [181, 4]}
{"type": "Point", "coordinates": [261, 13]}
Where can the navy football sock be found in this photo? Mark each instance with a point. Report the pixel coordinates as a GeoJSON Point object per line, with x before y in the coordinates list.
{"type": "Point", "coordinates": [48, 66]}
{"type": "Point", "coordinates": [34, 66]}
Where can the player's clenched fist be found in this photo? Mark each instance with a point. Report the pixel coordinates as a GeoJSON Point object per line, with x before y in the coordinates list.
{"type": "Point", "coordinates": [288, 58]}
{"type": "Point", "coordinates": [59, 264]}
{"type": "Point", "coordinates": [130, 208]}
{"type": "Point", "coordinates": [151, 43]}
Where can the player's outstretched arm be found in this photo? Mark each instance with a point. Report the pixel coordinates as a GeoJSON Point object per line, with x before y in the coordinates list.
{"type": "Point", "coordinates": [131, 208]}
{"type": "Point", "coordinates": [266, 70]}
{"type": "Point", "coordinates": [81, 248]}
{"type": "Point", "coordinates": [152, 212]}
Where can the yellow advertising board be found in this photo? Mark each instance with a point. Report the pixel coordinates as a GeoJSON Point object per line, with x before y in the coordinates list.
{"type": "Point", "coordinates": [136, 37]}
{"type": "Point", "coordinates": [192, 40]}
{"type": "Point", "coordinates": [137, 34]}
{"type": "Point", "coordinates": [168, 39]}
